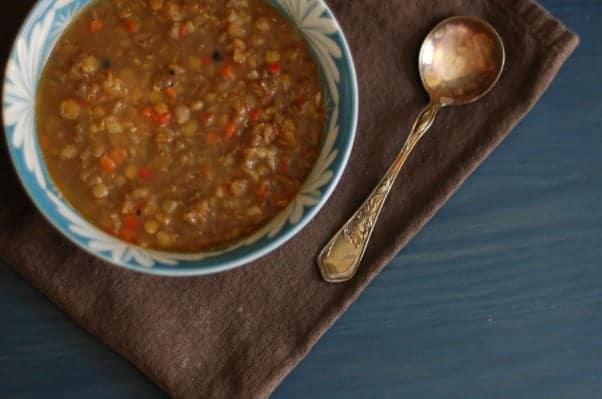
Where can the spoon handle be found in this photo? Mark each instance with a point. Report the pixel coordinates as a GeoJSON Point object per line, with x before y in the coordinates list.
{"type": "Point", "coordinates": [339, 261]}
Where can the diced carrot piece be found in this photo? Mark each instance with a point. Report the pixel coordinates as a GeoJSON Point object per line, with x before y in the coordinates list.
{"type": "Point", "coordinates": [255, 114]}
{"type": "Point", "coordinates": [228, 70]}
{"type": "Point", "coordinates": [171, 92]}
{"type": "Point", "coordinates": [145, 173]}
{"type": "Point", "coordinates": [283, 167]}
{"type": "Point", "coordinates": [96, 25]}
{"type": "Point", "coordinates": [107, 164]}
{"type": "Point", "coordinates": [147, 112]}
{"type": "Point", "coordinates": [163, 119]}
{"type": "Point", "coordinates": [118, 155]}
{"type": "Point", "coordinates": [127, 235]}
{"type": "Point", "coordinates": [261, 191]}
{"type": "Point", "coordinates": [230, 129]}
{"type": "Point", "coordinates": [131, 222]}
{"type": "Point", "coordinates": [183, 31]}
{"type": "Point", "coordinates": [44, 141]}
{"type": "Point", "coordinates": [213, 138]}
{"type": "Point", "coordinates": [131, 25]}
{"type": "Point", "coordinates": [274, 67]}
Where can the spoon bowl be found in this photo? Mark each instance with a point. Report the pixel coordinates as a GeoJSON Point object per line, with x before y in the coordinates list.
{"type": "Point", "coordinates": [461, 60]}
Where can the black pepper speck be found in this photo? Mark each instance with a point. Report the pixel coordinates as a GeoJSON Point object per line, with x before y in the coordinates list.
{"type": "Point", "coordinates": [217, 56]}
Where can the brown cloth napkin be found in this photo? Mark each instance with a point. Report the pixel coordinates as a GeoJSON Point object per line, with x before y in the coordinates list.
{"type": "Point", "coordinates": [238, 334]}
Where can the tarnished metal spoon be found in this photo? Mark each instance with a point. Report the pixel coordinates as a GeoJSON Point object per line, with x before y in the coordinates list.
{"type": "Point", "coordinates": [460, 61]}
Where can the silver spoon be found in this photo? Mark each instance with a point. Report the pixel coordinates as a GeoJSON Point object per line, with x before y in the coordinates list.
{"type": "Point", "coordinates": [460, 61]}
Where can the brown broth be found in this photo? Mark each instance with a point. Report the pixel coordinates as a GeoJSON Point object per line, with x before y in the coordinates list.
{"type": "Point", "coordinates": [180, 125]}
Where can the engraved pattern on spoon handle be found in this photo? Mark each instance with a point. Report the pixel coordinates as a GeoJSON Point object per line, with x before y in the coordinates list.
{"type": "Point", "coordinates": [340, 259]}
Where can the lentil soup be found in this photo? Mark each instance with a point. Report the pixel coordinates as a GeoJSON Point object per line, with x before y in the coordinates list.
{"type": "Point", "coordinates": [180, 125]}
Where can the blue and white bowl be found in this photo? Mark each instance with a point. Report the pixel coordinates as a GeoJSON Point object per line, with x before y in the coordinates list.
{"type": "Point", "coordinates": [34, 44]}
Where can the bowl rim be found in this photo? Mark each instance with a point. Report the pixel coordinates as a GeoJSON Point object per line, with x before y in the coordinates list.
{"type": "Point", "coordinates": [191, 271]}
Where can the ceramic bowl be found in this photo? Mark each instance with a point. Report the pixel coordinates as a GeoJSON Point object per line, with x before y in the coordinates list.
{"type": "Point", "coordinates": [33, 45]}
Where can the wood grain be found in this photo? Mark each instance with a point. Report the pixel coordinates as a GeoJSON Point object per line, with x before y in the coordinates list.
{"type": "Point", "coordinates": [500, 296]}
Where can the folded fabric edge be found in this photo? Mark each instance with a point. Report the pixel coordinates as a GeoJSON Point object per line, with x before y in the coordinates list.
{"type": "Point", "coordinates": [536, 20]}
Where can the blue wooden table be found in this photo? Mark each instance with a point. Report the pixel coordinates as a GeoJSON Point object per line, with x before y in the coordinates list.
{"type": "Point", "coordinates": [499, 297]}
